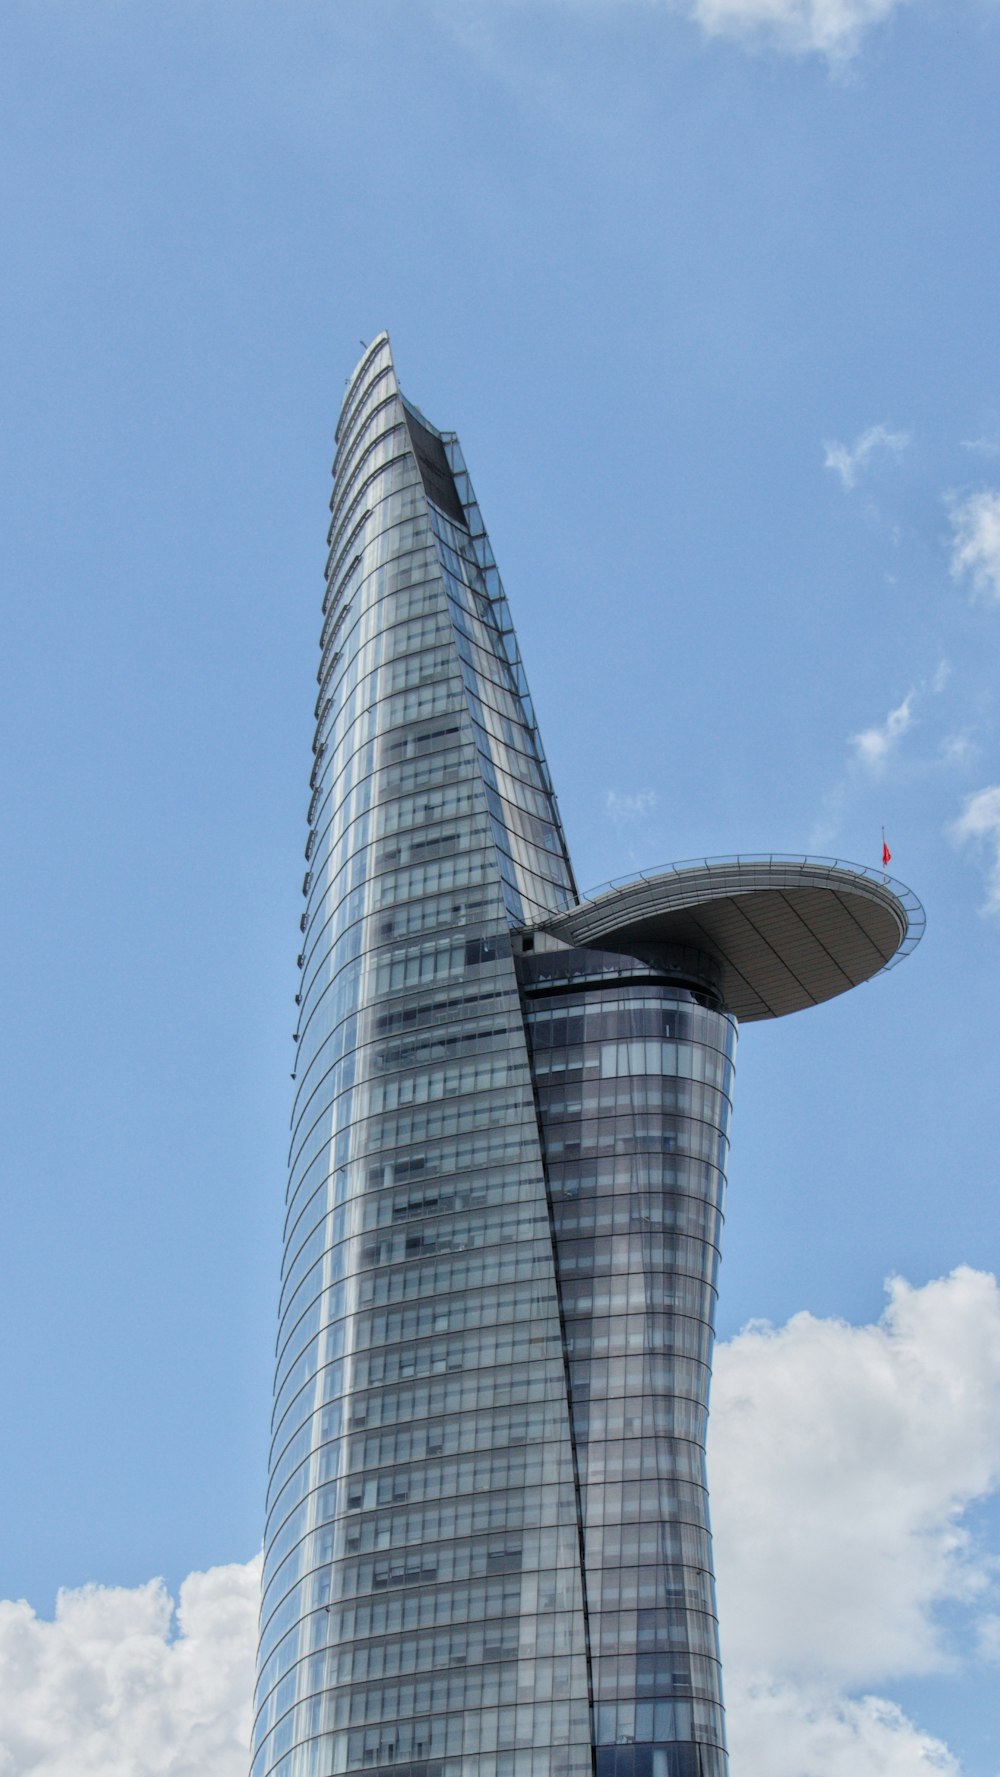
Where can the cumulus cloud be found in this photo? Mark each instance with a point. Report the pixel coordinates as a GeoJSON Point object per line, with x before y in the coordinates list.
{"type": "Point", "coordinates": [122, 1685]}
{"type": "Point", "coordinates": [958, 749]}
{"type": "Point", "coordinates": [831, 28]}
{"type": "Point", "coordinates": [842, 1460]}
{"type": "Point", "coordinates": [874, 746]}
{"type": "Point", "coordinates": [975, 550]}
{"type": "Point", "coordinates": [874, 749]}
{"type": "Point", "coordinates": [834, 28]}
{"type": "Point", "coordinates": [849, 461]}
{"type": "Point", "coordinates": [978, 825]}
{"type": "Point", "coordinates": [797, 1730]}
{"type": "Point", "coordinates": [629, 805]}
{"type": "Point", "coordinates": [989, 1640]}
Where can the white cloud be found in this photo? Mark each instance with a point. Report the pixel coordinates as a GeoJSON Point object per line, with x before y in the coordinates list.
{"type": "Point", "coordinates": [979, 825]}
{"type": "Point", "coordinates": [959, 748]}
{"type": "Point", "coordinates": [629, 805]}
{"type": "Point", "coordinates": [850, 460]}
{"type": "Point", "coordinates": [873, 747]}
{"type": "Point", "coordinates": [797, 1730]}
{"type": "Point", "coordinates": [832, 28]}
{"type": "Point", "coordinates": [989, 1640]}
{"type": "Point", "coordinates": [982, 447]}
{"type": "Point", "coordinates": [109, 1689]}
{"type": "Point", "coordinates": [975, 552]}
{"type": "Point", "coordinates": [842, 1460]}
{"type": "Point", "coordinates": [873, 750]}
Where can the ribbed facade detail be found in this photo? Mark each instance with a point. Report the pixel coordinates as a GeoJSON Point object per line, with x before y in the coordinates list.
{"type": "Point", "coordinates": [633, 1080]}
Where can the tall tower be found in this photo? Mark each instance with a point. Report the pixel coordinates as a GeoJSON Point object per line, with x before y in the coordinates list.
{"type": "Point", "coordinates": [487, 1550]}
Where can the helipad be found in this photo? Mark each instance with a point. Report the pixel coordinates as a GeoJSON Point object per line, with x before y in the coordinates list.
{"type": "Point", "coordinates": [785, 932]}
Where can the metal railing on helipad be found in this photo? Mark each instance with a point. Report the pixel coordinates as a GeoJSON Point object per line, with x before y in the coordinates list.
{"type": "Point", "coordinates": [913, 912]}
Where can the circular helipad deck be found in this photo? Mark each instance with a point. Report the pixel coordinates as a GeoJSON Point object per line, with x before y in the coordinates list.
{"type": "Point", "coordinates": [786, 932]}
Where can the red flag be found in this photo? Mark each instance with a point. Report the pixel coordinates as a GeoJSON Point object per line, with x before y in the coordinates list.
{"type": "Point", "coordinates": [886, 853]}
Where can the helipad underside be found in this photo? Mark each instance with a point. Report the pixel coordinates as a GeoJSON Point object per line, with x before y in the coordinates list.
{"type": "Point", "coordinates": [786, 933]}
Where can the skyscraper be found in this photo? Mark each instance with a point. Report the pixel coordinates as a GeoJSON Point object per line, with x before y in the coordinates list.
{"type": "Point", "coordinates": [487, 1545]}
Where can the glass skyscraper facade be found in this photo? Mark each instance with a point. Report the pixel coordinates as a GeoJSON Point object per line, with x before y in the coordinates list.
{"type": "Point", "coordinates": [487, 1550]}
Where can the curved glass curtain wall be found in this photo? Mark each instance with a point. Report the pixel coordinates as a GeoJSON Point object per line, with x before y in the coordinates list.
{"type": "Point", "coordinates": [634, 1088]}
{"type": "Point", "coordinates": [422, 1606]}
{"type": "Point", "coordinates": [434, 1538]}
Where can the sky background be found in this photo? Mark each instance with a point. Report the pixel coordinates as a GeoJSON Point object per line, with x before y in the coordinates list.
{"type": "Point", "coordinates": [708, 289]}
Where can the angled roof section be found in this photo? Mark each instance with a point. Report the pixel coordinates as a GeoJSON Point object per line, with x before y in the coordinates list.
{"type": "Point", "coordinates": [786, 932]}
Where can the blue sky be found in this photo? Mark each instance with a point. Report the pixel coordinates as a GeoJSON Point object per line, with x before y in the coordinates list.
{"type": "Point", "coordinates": [708, 289]}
